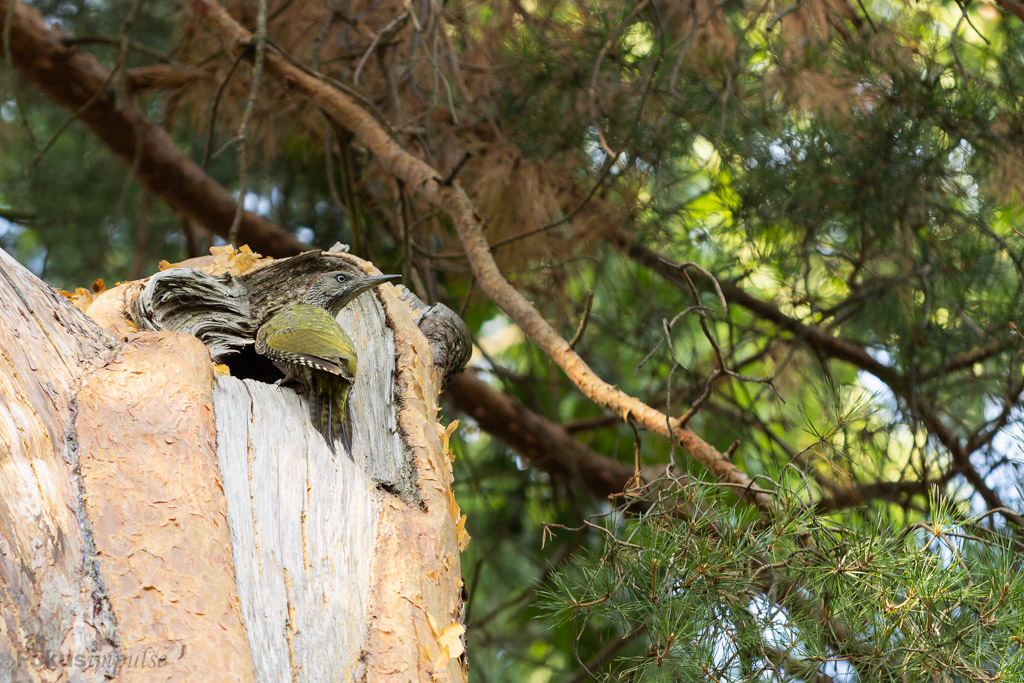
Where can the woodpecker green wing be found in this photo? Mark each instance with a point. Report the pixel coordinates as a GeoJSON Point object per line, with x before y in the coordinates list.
{"type": "Point", "coordinates": [306, 343]}
{"type": "Point", "coordinates": [310, 336]}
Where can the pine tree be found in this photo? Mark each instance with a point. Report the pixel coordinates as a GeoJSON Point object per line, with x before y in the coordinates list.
{"type": "Point", "coordinates": [786, 238]}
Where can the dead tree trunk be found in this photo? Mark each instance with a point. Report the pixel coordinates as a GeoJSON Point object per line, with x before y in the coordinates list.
{"type": "Point", "coordinates": [162, 520]}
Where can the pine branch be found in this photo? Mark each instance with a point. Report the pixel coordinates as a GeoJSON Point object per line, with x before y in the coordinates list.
{"type": "Point", "coordinates": [832, 346]}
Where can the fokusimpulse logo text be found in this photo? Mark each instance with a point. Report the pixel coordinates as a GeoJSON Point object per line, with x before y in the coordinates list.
{"type": "Point", "coordinates": [44, 659]}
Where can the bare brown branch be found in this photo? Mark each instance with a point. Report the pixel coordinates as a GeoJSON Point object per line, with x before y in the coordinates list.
{"type": "Point", "coordinates": [425, 182]}
{"type": "Point", "coordinates": [547, 445]}
{"type": "Point", "coordinates": [72, 78]}
{"type": "Point", "coordinates": [1014, 7]}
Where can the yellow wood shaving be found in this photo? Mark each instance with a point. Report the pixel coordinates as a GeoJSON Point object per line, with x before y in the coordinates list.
{"type": "Point", "coordinates": [461, 535]}
{"type": "Point", "coordinates": [446, 438]}
{"type": "Point", "coordinates": [227, 259]}
{"type": "Point", "coordinates": [433, 624]}
{"type": "Point", "coordinates": [451, 639]}
{"type": "Point", "coordinates": [81, 298]}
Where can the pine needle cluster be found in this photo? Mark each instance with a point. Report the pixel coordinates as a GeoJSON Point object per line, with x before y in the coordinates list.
{"type": "Point", "coordinates": [693, 589]}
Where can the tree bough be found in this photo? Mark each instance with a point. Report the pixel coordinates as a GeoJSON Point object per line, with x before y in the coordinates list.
{"type": "Point", "coordinates": [427, 184]}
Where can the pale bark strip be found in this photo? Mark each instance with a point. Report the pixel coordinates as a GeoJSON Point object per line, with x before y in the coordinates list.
{"type": "Point", "coordinates": [373, 406]}
{"type": "Point", "coordinates": [424, 181]}
{"type": "Point", "coordinates": [148, 456]}
{"type": "Point", "coordinates": [303, 525]}
{"type": "Point", "coordinates": [52, 598]}
{"type": "Point", "coordinates": [304, 522]}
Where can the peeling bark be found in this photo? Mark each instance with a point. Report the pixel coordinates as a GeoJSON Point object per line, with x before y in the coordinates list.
{"type": "Point", "coordinates": [152, 508]}
{"type": "Point", "coordinates": [54, 602]}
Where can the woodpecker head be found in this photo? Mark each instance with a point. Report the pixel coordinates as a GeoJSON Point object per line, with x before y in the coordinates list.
{"type": "Point", "coordinates": [334, 290]}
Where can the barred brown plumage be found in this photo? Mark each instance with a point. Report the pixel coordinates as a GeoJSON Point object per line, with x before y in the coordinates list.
{"type": "Point", "coordinates": [449, 339]}
{"type": "Point", "coordinates": [305, 341]}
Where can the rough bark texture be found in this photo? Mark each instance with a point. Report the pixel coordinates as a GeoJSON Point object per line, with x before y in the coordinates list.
{"type": "Point", "coordinates": [115, 548]}
{"type": "Point", "coordinates": [54, 600]}
{"type": "Point", "coordinates": [417, 623]}
{"type": "Point", "coordinates": [147, 449]}
{"type": "Point", "coordinates": [155, 510]}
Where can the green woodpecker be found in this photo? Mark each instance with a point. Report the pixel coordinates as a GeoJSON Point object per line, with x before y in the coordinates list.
{"type": "Point", "coordinates": [305, 342]}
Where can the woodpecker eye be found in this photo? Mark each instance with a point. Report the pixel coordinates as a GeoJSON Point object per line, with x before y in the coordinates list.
{"type": "Point", "coordinates": [341, 277]}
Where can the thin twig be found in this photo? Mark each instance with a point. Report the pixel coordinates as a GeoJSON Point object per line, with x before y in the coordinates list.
{"type": "Point", "coordinates": [469, 295]}
{"type": "Point", "coordinates": [583, 321]}
{"type": "Point", "coordinates": [952, 43]}
{"type": "Point", "coordinates": [8, 53]}
{"type": "Point", "coordinates": [602, 176]}
{"type": "Point", "coordinates": [334, 83]}
{"type": "Point", "coordinates": [386, 33]}
{"type": "Point", "coordinates": [448, 179]}
{"type": "Point", "coordinates": [141, 234]}
{"type": "Point", "coordinates": [259, 38]}
{"type": "Point", "coordinates": [318, 44]}
{"type": "Point", "coordinates": [613, 38]}
{"type": "Point", "coordinates": [212, 130]}
{"type": "Point", "coordinates": [346, 174]}
{"type": "Point", "coordinates": [134, 45]}
{"type": "Point", "coordinates": [71, 119]}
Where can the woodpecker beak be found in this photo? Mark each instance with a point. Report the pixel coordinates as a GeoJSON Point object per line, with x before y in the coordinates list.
{"type": "Point", "coordinates": [371, 282]}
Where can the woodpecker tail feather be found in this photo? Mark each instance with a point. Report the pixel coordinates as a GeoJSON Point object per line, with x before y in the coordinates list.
{"type": "Point", "coordinates": [328, 409]}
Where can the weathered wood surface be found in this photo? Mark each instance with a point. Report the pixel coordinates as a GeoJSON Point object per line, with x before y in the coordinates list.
{"type": "Point", "coordinates": [217, 530]}
{"type": "Point", "coordinates": [114, 545]}
{"type": "Point", "coordinates": [303, 528]}
{"type": "Point", "coordinates": [304, 521]}
{"type": "Point", "coordinates": [53, 599]}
